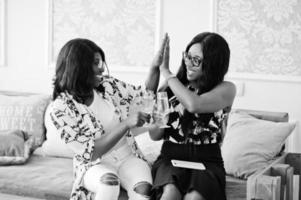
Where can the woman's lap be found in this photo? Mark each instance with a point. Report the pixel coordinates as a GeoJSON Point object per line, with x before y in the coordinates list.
{"type": "Point", "coordinates": [209, 183]}
{"type": "Point", "coordinates": [129, 172]}
{"type": "Point", "coordinates": [95, 173]}
{"type": "Point", "coordinates": [133, 171]}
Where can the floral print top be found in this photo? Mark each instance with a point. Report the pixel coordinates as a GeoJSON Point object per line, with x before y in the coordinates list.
{"type": "Point", "coordinates": [77, 126]}
{"type": "Point", "coordinates": [198, 128]}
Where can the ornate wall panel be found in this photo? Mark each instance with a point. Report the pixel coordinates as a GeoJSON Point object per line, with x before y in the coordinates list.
{"type": "Point", "coordinates": [124, 29]}
{"type": "Point", "coordinates": [264, 36]}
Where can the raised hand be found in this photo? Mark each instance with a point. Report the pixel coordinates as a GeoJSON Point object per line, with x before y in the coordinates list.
{"type": "Point", "coordinates": [157, 61]}
{"type": "Point", "coordinates": [165, 63]}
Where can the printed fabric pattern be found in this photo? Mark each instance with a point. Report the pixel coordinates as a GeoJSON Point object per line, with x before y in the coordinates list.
{"type": "Point", "coordinates": [197, 128]}
{"type": "Point", "coordinates": [77, 126]}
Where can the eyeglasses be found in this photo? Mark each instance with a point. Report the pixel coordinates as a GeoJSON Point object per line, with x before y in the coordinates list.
{"type": "Point", "coordinates": [100, 64]}
{"type": "Point", "coordinates": [195, 61]}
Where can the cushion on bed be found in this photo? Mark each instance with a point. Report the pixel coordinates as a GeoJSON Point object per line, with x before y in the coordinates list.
{"type": "Point", "coordinates": [24, 112]}
{"type": "Point", "coordinates": [251, 144]}
{"type": "Point", "coordinates": [15, 147]}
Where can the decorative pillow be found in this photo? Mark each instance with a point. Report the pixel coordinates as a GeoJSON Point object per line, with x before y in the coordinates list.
{"type": "Point", "coordinates": [150, 149]}
{"type": "Point", "coordinates": [24, 112]}
{"type": "Point", "coordinates": [15, 147]}
{"type": "Point", "coordinates": [250, 144]}
{"type": "Point", "coordinates": [53, 145]}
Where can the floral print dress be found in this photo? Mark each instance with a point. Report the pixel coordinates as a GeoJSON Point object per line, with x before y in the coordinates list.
{"type": "Point", "coordinates": [77, 127]}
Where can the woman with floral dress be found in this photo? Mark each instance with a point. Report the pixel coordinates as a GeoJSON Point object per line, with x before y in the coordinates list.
{"type": "Point", "coordinates": [90, 112]}
{"type": "Point", "coordinates": [200, 100]}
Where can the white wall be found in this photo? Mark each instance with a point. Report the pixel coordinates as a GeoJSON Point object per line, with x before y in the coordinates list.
{"type": "Point", "coordinates": [26, 47]}
{"type": "Point", "coordinates": [27, 62]}
{"type": "Point", "coordinates": [182, 21]}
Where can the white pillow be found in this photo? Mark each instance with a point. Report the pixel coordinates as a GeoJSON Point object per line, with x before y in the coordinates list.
{"type": "Point", "coordinates": [150, 148]}
{"type": "Point", "coordinates": [24, 112]}
{"type": "Point", "coordinates": [250, 143]}
{"type": "Point", "coordinates": [15, 147]}
{"type": "Point", "coordinates": [53, 145]}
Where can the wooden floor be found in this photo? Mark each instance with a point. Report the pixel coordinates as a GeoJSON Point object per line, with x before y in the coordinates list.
{"type": "Point", "coordinates": [13, 197]}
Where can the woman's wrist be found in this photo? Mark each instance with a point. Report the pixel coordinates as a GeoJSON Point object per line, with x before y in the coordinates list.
{"type": "Point", "coordinates": [168, 75]}
{"type": "Point", "coordinates": [165, 73]}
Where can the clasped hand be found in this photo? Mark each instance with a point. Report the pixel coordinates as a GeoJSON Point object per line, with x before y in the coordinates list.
{"type": "Point", "coordinates": [137, 119]}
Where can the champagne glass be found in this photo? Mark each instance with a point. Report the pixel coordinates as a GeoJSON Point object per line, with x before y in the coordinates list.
{"type": "Point", "coordinates": [135, 105]}
{"type": "Point", "coordinates": [148, 102]}
{"type": "Point", "coordinates": [144, 103]}
{"type": "Point", "coordinates": [162, 109]}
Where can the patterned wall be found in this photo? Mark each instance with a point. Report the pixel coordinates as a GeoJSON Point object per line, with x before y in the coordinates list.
{"type": "Point", "coordinates": [2, 43]}
{"type": "Point", "coordinates": [124, 29]}
{"type": "Point", "coordinates": [264, 35]}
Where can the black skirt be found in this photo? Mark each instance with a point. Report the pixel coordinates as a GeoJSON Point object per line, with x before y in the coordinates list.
{"type": "Point", "coordinates": [210, 183]}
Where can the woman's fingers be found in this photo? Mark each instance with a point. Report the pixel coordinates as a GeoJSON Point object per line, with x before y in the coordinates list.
{"type": "Point", "coordinates": [166, 49]}
{"type": "Point", "coordinates": [157, 61]}
{"type": "Point", "coordinates": [143, 118]}
{"type": "Point", "coordinates": [165, 64]}
{"type": "Point", "coordinates": [138, 119]}
{"type": "Point", "coordinates": [161, 50]}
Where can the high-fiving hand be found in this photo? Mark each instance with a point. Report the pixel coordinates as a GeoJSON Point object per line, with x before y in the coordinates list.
{"type": "Point", "coordinates": [158, 59]}
{"type": "Point", "coordinates": [164, 67]}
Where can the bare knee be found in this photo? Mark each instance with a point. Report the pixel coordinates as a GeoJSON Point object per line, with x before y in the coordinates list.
{"type": "Point", "coordinates": [193, 195]}
{"type": "Point", "coordinates": [109, 179]}
{"type": "Point", "coordinates": [170, 191]}
{"type": "Point", "coordinates": [143, 188]}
